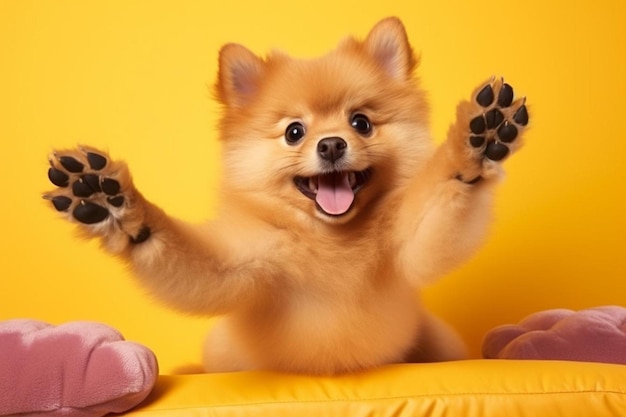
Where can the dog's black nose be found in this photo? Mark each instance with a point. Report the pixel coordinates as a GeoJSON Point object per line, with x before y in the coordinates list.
{"type": "Point", "coordinates": [331, 149]}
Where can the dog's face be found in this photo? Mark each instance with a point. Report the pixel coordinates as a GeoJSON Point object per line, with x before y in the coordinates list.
{"type": "Point", "coordinates": [328, 137]}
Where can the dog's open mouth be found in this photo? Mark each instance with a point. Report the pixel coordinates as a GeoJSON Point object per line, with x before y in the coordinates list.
{"type": "Point", "coordinates": [333, 192]}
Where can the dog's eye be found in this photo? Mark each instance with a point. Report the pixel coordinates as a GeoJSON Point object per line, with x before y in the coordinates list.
{"type": "Point", "coordinates": [295, 131]}
{"type": "Point", "coordinates": [361, 124]}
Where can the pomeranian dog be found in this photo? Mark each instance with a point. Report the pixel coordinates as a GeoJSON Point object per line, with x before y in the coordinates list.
{"type": "Point", "coordinates": [335, 208]}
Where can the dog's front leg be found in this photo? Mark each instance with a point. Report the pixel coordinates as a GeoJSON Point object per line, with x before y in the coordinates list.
{"type": "Point", "coordinates": [447, 207]}
{"type": "Point", "coordinates": [186, 266]}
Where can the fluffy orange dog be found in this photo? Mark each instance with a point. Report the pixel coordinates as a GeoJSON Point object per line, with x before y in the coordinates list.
{"type": "Point", "coordinates": [335, 209]}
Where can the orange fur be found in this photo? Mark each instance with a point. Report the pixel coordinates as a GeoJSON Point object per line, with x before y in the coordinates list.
{"type": "Point", "coordinates": [302, 290]}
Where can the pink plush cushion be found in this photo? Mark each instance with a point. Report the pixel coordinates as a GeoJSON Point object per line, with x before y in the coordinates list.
{"type": "Point", "coordinates": [75, 369]}
{"type": "Point", "coordinates": [592, 335]}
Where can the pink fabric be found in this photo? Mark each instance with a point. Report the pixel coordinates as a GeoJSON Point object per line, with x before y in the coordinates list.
{"type": "Point", "coordinates": [75, 369]}
{"type": "Point", "coordinates": [592, 335]}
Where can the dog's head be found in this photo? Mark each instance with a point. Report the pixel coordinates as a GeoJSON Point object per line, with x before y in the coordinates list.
{"type": "Point", "coordinates": [327, 136]}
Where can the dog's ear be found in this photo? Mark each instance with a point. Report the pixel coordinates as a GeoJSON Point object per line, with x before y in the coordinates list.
{"type": "Point", "coordinates": [388, 44]}
{"type": "Point", "coordinates": [239, 76]}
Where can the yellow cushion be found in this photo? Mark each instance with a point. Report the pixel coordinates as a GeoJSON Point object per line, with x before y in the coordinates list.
{"type": "Point", "coordinates": [460, 389]}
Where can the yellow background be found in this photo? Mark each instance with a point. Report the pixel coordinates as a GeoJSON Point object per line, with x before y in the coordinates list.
{"type": "Point", "coordinates": [132, 77]}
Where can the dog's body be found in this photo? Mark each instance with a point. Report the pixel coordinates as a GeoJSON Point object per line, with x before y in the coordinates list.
{"type": "Point", "coordinates": [335, 209]}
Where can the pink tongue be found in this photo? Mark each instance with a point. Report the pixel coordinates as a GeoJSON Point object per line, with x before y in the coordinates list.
{"type": "Point", "coordinates": [334, 194]}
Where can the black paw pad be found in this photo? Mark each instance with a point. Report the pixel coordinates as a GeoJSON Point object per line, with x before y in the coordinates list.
{"type": "Point", "coordinates": [494, 117]}
{"type": "Point", "coordinates": [505, 96]}
{"type": "Point", "coordinates": [71, 164]}
{"type": "Point", "coordinates": [142, 236]}
{"type": "Point", "coordinates": [478, 125]}
{"type": "Point", "coordinates": [90, 213]}
{"type": "Point", "coordinates": [61, 203]}
{"type": "Point", "coordinates": [80, 189]}
{"type": "Point", "coordinates": [110, 186]}
{"type": "Point", "coordinates": [477, 141]}
{"type": "Point", "coordinates": [58, 177]}
{"type": "Point", "coordinates": [93, 181]}
{"type": "Point", "coordinates": [507, 132]}
{"type": "Point", "coordinates": [485, 96]}
{"type": "Point", "coordinates": [86, 185]}
{"type": "Point", "coordinates": [96, 161]}
{"type": "Point", "coordinates": [116, 201]}
{"type": "Point", "coordinates": [521, 116]}
{"type": "Point", "coordinates": [496, 151]}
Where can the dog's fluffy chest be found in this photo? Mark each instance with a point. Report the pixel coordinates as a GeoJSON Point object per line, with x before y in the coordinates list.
{"type": "Point", "coordinates": [335, 263]}
{"type": "Point", "coordinates": [337, 317]}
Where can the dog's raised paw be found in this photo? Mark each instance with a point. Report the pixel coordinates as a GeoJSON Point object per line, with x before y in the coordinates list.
{"type": "Point", "coordinates": [499, 119]}
{"type": "Point", "coordinates": [94, 191]}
